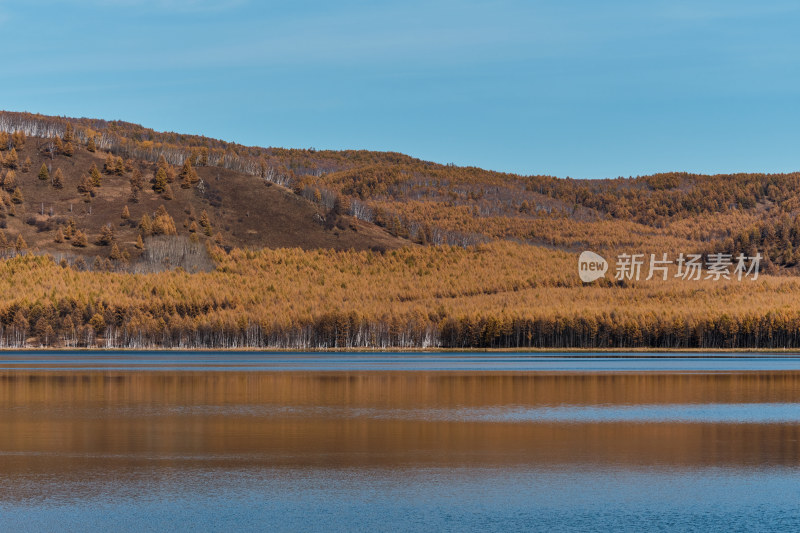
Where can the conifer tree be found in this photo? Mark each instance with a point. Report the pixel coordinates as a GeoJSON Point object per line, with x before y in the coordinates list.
{"type": "Point", "coordinates": [26, 165]}
{"type": "Point", "coordinates": [21, 323]}
{"type": "Point", "coordinates": [106, 235]}
{"type": "Point", "coordinates": [341, 205]}
{"type": "Point", "coordinates": [204, 220]}
{"type": "Point", "coordinates": [17, 197]}
{"type": "Point", "coordinates": [59, 236]}
{"type": "Point", "coordinates": [44, 174]}
{"type": "Point", "coordinates": [97, 321]}
{"type": "Point", "coordinates": [96, 177]}
{"type": "Point", "coordinates": [79, 239]}
{"type": "Point", "coordinates": [110, 164]}
{"type": "Point", "coordinates": [139, 242]}
{"type": "Point", "coordinates": [136, 180]}
{"type": "Point", "coordinates": [188, 174]}
{"type": "Point", "coordinates": [126, 214]}
{"type": "Point", "coordinates": [20, 245]}
{"type": "Point", "coordinates": [145, 225]}
{"type": "Point", "coordinates": [48, 334]}
{"type": "Point", "coordinates": [90, 144]}
{"type": "Point", "coordinates": [10, 181]}
{"type": "Point", "coordinates": [18, 139]}
{"type": "Point", "coordinates": [69, 230]}
{"type": "Point", "coordinates": [85, 185]}
{"type": "Point", "coordinates": [421, 238]}
{"type": "Point", "coordinates": [58, 179]}
{"type": "Point", "coordinates": [163, 224]}
{"type": "Point", "coordinates": [115, 253]}
{"type": "Point", "coordinates": [160, 183]}
{"type": "Point", "coordinates": [12, 159]}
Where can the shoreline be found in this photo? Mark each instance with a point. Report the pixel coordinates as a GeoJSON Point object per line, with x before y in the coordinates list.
{"type": "Point", "coordinates": [541, 352]}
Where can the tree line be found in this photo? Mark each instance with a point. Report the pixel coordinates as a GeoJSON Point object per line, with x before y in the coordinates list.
{"type": "Point", "coordinates": [495, 295]}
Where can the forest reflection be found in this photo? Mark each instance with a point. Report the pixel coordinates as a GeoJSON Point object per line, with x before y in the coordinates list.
{"type": "Point", "coordinates": [83, 425]}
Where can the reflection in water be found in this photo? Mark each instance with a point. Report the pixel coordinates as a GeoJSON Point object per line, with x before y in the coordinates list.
{"type": "Point", "coordinates": [399, 450]}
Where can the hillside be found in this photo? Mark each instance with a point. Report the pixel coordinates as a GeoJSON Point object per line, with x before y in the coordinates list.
{"type": "Point", "coordinates": [321, 249]}
{"type": "Point", "coordinates": [45, 195]}
{"type": "Point", "coordinates": [275, 197]}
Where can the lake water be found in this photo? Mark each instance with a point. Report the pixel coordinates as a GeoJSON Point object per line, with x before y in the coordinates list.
{"type": "Point", "coordinates": [398, 442]}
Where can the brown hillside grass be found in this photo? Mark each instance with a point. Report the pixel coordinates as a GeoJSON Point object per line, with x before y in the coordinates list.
{"type": "Point", "coordinates": [243, 210]}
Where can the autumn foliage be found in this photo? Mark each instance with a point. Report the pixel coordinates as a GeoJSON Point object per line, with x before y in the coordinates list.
{"type": "Point", "coordinates": [137, 254]}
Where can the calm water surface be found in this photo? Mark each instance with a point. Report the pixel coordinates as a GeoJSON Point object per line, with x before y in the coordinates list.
{"type": "Point", "coordinates": [396, 442]}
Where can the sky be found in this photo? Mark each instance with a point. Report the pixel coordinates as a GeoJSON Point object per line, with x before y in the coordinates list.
{"type": "Point", "coordinates": [584, 89]}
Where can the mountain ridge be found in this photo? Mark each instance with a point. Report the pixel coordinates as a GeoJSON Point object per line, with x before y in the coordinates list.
{"type": "Point", "coordinates": [396, 200]}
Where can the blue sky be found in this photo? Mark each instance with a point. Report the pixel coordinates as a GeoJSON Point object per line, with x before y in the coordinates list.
{"type": "Point", "coordinates": [581, 89]}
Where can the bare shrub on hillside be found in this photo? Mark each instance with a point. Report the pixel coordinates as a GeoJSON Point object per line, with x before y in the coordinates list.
{"type": "Point", "coordinates": [271, 175]}
{"type": "Point", "coordinates": [167, 252]}
{"type": "Point", "coordinates": [361, 210]}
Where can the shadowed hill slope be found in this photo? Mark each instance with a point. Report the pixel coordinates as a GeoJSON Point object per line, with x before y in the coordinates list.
{"type": "Point", "coordinates": [55, 187]}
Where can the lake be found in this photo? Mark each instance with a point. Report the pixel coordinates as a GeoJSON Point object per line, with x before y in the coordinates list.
{"type": "Point", "coordinates": [398, 442]}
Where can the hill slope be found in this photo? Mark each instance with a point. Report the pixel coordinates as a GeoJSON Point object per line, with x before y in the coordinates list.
{"type": "Point", "coordinates": [44, 194]}
{"type": "Point", "coordinates": [398, 198]}
{"type": "Point", "coordinates": [510, 282]}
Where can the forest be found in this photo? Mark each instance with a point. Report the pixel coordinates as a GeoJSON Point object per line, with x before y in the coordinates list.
{"type": "Point", "coordinates": [114, 235]}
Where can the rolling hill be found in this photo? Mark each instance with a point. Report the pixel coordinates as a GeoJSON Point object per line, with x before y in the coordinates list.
{"type": "Point", "coordinates": [296, 248]}
{"type": "Point", "coordinates": [49, 175]}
